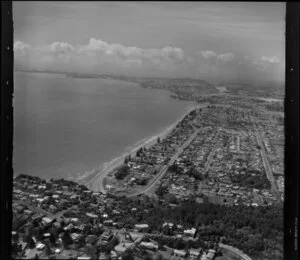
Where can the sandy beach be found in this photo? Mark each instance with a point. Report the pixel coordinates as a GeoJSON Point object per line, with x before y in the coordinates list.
{"type": "Point", "coordinates": [96, 182]}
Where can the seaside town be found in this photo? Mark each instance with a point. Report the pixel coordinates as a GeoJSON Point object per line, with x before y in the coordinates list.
{"type": "Point", "coordinates": [223, 160]}
{"type": "Point", "coordinates": [149, 131]}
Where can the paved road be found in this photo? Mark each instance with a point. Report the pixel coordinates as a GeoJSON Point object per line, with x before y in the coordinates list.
{"type": "Point", "coordinates": [211, 155]}
{"type": "Point", "coordinates": [238, 143]}
{"type": "Point", "coordinates": [263, 154]}
{"type": "Point", "coordinates": [56, 216]}
{"type": "Point", "coordinates": [235, 251]}
{"type": "Point", "coordinates": [164, 169]}
{"type": "Point", "coordinates": [97, 182]}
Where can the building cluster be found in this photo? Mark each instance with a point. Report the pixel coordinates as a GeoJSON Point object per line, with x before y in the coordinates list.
{"type": "Point", "coordinates": [149, 161]}
{"type": "Point", "coordinates": [223, 162]}
{"type": "Point", "coordinates": [44, 226]}
{"type": "Point", "coordinates": [212, 154]}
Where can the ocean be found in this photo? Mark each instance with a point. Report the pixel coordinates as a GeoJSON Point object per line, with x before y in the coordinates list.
{"type": "Point", "coordinates": [71, 127]}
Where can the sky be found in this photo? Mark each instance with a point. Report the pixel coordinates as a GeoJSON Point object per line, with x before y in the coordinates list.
{"type": "Point", "coordinates": [208, 40]}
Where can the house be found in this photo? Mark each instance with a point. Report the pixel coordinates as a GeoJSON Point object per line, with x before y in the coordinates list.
{"type": "Point", "coordinates": [40, 246]}
{"type": "Point", "coordinates": [108, 222]}
{"type": "Point", "coordinates": [74, 220]}
{"type": "Point", "coordinates": [75, 237]}
{"type": "Point", "coordinates": [46, 220]}
{"type": "Point", "coordinates": [180, 253]}
{"type": "Point", "coordinates": [69, 227]}
{"type": "Point", "coordinates": [52, 209]}
{"type": "Point", "coordinates": [169, 225]}
{"type": "Point", "coordinates": [141, 226]}
{"type": "Point", "coordinates": [113, 255]}
{"type": "Point", "coordinates": [27, 211]}
{"type": "Point", "coordinates": [73, 197]}
{"type": "Point", "coordinates": [194, 253]}
{"type": "Point", "coordinates": [211, 254]}
{"type": "Point", "coordinates": [91, 215]}
{"type": "Point", "coordinates": [122, 247]}
{"type": "Point", "coordinates": [190, 232]}
{"type": "Point", "coordinates": [104, 256]}
{"type": "Point", "coordinates": [107, 236]}
{"type": "Point", "coordinates": [91, 239]}
{"type": "Point", "coordinates": [149, 245]}
{"type": "Point", "coordinates": [84, 257]}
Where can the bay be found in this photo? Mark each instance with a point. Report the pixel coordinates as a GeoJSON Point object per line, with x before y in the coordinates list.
{"type": "Point", "coordinates": [68, 127]}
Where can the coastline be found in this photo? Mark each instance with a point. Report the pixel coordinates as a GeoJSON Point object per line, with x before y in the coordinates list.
{"type": "Point", "coordinates": [96, 182]}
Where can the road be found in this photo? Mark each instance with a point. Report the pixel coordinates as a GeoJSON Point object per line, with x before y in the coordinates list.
{"type": "Point", "coordinates": [238, 143]}
{"type": "Point", "coordinates": [263, 154]}
{"type": "Point", "coordinates": [97, 182]}
{"type": "Point", "coordinates": [56, 216]}
{"type": "Point", "coordinates": [235, 251]}
{"type": "Point", "coordinates": [164, 169]}
{"type": "Point", "coordinates": [211, 155]}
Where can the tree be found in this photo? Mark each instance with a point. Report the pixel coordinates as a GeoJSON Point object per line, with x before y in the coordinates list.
{"type": "Point", "coordinates": [139, 151]}
{"type": "Point", "coordinates": [122, 172]}
{"type": "Point", "coordinates": [16, 237]}
{"type": "Point", "coordinates": [161, 190]}
{"type": "Point", "coordinates": [159, 257]}
{"type": "Point", "coordinates": [111, 244]}
{"type": "Point", "coordinates": [128, 255]}
{"type": "Point", "coordinates": [66, 239]}
{"type": "Point", "coordinates": [91, 251]}
{"type": "Point", "coordinates": [30, 242]}
{"type": "Point", "coordinates": [158, 139]}
{"type": "Point", "coordinates": [125, 160]}
{"type": "Point", "coordinates": [47, 249]}
{"type": "Point", "coordinates": [16, 250]}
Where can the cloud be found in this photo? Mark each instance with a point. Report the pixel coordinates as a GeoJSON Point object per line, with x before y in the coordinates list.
{"type": "Point", "coordinates": [21, 47]}
{"type": "Point", "coordinates": [98, 54]}
{"type": "Point", "coordinates": [166, 54]}
{"type": "Point", "coordinates": [273, 59]}
{"type": "Point", "coordinates": [60, 47]}
{"type": "Point", "coordinates": [211, 55]}
{"type": "Point", "coordinates": [208, 54]}
{"type": "Point", "coordinates": [226, 57]}
{"type": "Point", "coordinates": [261, 68]}
{"type": "Point", "coordinates": [262, 64]}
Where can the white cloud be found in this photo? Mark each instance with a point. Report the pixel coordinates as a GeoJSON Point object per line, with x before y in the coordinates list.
{"type": "Point", "coordinates": [263, 64]}
{"type": "Point", "coordinates": [208, 54]}
{"type": "Point", "coordinates": [97, 54]}
{"type": "Point", "coordinates": [165, 54]}
{"type": "Point", "coordinates": [273, 59]}
{"type": "Point", "coordinates": [21, 47]}
{"type": "Point", "coordinates": [226, 57]}
{"type": "Point", "coordinates": [211, 55]}
{"type": "Point", "coordinates": [60, 47]}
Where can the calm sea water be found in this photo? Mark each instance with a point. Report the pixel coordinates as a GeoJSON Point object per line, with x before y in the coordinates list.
{"type": "Point", "coordinates": [68, 127]}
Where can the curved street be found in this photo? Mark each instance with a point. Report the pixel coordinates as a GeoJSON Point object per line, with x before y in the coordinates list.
{"type": "Point", "coordinates": [235, 251]}
{"type": "Point", "coordinates": [149, 188]}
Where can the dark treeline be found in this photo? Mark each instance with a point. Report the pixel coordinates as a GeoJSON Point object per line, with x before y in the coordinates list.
{"type": "Point", "coordinates": [254, 230]}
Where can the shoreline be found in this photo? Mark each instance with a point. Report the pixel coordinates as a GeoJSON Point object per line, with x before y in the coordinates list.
{"type": "Point", "coordinates": [96, 182]}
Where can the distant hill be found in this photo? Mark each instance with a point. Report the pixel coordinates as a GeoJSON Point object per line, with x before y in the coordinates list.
{"type": "Point", "coordinates": [259, 89]}
{"type": "Point", "coordinates": [182, 88]}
